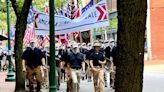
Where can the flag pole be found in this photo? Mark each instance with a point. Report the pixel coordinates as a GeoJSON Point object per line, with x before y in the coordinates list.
{"type": "Point", "coordinates": [81, 40]}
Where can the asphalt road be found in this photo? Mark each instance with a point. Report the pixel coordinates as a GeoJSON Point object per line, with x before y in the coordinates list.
{"type": "Point", "coordinates": [153, 82]}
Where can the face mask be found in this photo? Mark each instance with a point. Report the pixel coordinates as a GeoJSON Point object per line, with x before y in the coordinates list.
{"type": "Point", "coordinates": [56, 52]}
{"type": "Point", "coordinates": [68, 50]}
{"type": "Point", "coordinates": [63, 47]}
{"type": "Point", "coordinates": [32, 45]}
{"type": "Point", "coordinates": [112, 44]}
{"type": "Point", "coordinates": [75, 50]}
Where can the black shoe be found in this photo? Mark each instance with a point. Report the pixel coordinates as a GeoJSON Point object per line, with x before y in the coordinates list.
{"type": "Point", "coordinates": [82, 78]}
{"type": "Point", "coordinates": [106, 84]}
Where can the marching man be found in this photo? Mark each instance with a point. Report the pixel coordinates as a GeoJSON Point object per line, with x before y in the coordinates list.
{"type": "Point", "coordinates": [76, 63]}
{"type": "Point", "coordinates": [97, 62]}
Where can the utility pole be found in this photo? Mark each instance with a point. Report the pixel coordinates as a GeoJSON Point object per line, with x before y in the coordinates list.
{"type": "Point", "coordinates": [52, 75]}
{"type": "Point", "coordinates": [10, 74]}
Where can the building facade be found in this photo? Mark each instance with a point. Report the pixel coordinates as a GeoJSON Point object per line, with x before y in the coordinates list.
{"type": "Point", "coordinates": [156, 30]}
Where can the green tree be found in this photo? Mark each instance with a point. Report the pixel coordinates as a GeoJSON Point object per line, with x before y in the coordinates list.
{"type": "Point", "coordinates": [21, 9]}
{"type": "Point", "coordinates": [130, 45]}
{"type": "Point", "coordinates": [3, 17]}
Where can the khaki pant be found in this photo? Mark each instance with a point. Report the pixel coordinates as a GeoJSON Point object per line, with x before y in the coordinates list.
{"type": "Point", "coordinates": [45, 78]}
{"type": "Point", "coordinates": [58, 76]}
{"type": "Point", "coordinates": [98, 77]}
{"type": "Point", "coordinates": [112, 77]}
{"type": "Point", "coordinates": [75, 76]}
{"type": "Point", "coordinates": [34, 75]}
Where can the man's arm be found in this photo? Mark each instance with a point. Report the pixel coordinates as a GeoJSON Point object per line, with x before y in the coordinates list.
{"type": "Point", "coordinates": [91, 64]}
{"type": "Point", "coordinates": [43, 61]}
{"type": "Point", "coordinates": [83, 67]}
{"type": "Point", "coordinates": [24, 65]}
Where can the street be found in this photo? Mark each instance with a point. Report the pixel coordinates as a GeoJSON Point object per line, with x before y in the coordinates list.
{"type": "Point", "coordinates": [153, 82]}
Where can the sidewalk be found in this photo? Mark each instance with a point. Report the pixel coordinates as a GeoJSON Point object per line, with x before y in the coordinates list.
{"type": "Point", "coordinates": [155, 65]}
{"type": "Point", "coordinates": [6, 86]}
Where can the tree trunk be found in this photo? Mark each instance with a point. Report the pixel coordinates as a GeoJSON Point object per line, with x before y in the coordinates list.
{"type": "Point", "coordinates": [130, 45]}
{"type": "Point", "coordinates": [21, 14]}
{"type": "Point", "coordinates": [20, 76]}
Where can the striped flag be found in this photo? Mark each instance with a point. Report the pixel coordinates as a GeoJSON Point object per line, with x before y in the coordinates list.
{"type": "Point", "coordinates": [30, 18]}
{"type": "Point", "coordinates": [73, 10]}
{"type": "Point", "coordinates": [69, 11]}
{"type": "Point", "coordinates": [29, 33]}
{"type": "Point", "coordinates": [63, 12]}
{"type": "Point", "coordinates": [46, 38]}
{"type": "Point", "coordinates": [39, 41]}
{"type": "Point", "coordinates": [77, 13]}
{"type": "Point", "coordinates": [61, 38]}
{"type": "Point", "coordinates": [75, 34]}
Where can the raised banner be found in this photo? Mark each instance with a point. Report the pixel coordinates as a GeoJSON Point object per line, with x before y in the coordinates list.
{"type": "Point", "coordinates": [96, 16]}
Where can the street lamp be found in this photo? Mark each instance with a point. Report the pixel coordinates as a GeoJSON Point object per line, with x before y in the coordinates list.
{"type": "Point", "coordinates": [10, 74]}
{"type": "Point", "coordinates": [52, 75]}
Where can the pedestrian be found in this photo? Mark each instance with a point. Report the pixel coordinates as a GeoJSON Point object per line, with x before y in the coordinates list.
{"type": "Point", "coordinates": [67, 68]}
{"type": "Point", "coordinates": [109, 62]}
{"type": "Point", "coordinates": [97, 62]}
{"type": "Point", "coordinates": [58, 66]}
{"type": "Point", "coordinates": [76, 63]}
{"type": "Point", "coordinates": [33, 59]}
{"type": "Point", "coordinates": [113, 60]}
{"type": "Point", "coordinates": [89, 74]}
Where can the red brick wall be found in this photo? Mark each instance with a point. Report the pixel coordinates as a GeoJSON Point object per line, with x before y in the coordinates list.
{"type": "Point", "coordinates": [157, 28]}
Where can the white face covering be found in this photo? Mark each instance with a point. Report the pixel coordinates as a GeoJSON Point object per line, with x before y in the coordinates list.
{"type": "Point", "coordinates": [56, 52]}
{"type": "Point", "coordinates": [63, 47]}
{"type": "Point", "coordinates": [75, 50]}
{"type": "Point", "coordinates": [112, 44]}
{"type": "Point", "coordinates": [106, 44]}
{"type": "Point", "coordinates": [68, 50]}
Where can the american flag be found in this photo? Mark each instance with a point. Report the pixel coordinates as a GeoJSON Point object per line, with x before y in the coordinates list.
{"type": "Point", "coordinates": [63, 12]}
{"type": "Point", "coordinates": [46, 38]}
{"type": "Point", "coordinates": [29, 34]}
{"type": "Point", "coordinates": [39, 41]}
{"type": "Point", "coordinates": [75, 13]}
{"type": "Point", "coordinates": [76, 34]}
{"type": "Point", "coordinates": [69, 10]}
{"type": "Point", "coordinates": [30, 18]}
{"type": "Point", "coordinates": [73, 10]}
{"type": "Point", "coordinates": [63, 38]}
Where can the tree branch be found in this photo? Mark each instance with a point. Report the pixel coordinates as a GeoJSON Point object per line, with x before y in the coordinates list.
{"type": "Point", "coordinates": [25, 11]}
{"type": "Point", "coordinates": [26, 7]}
{"type": "Point", "coordinates": [15, 6]}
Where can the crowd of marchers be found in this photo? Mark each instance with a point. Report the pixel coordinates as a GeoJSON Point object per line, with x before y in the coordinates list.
{"type": "Point", "coordinates": [75, 62]}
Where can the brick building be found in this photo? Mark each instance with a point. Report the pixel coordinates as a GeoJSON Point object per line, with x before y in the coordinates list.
{"type": "Point", "coordinates": [156, 35]}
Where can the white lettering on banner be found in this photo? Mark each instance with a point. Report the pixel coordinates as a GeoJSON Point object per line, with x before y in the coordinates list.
{"type": "Point", "coordinates": [94, 17]}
